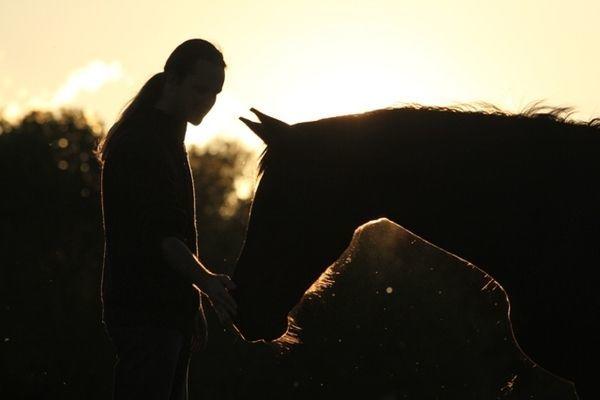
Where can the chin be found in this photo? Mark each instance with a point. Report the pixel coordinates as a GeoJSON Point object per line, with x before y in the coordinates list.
{"type": "Point", "coordinates": [196, 121]}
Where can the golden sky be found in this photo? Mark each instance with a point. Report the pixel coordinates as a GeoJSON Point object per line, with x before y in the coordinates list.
{"type": "Point", "coordinates": [303, 60]}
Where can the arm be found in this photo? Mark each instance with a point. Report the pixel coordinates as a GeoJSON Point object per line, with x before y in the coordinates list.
{"type": "Point", "coordinates": [215, 286]}
{"type": "Point", "coordinates": [181, 259]}
{"type": "Point", "coordinates": [145, 186]}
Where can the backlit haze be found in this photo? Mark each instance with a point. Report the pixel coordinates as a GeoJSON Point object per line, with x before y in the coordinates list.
{"type": "Point", "coordinates": [303, 60]}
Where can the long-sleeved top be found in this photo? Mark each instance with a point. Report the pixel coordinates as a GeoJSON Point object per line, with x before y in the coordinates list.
{"type": "Point", "coordinates": [147, 195]}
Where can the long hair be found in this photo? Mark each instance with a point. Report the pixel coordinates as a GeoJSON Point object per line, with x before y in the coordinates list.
{"type": "Point", "coordinates": [179, 64]}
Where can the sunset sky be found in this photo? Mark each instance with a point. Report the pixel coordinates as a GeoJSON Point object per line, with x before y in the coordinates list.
{"type": "Point", "coordinates": [303, 60]}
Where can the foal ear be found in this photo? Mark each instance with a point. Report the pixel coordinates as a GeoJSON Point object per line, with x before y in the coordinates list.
{"type": "Point", "coordinates": [269, 129]}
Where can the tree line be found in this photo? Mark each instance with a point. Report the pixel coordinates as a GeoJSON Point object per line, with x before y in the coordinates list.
{"type": "Point", "coordinates": [53, 343]}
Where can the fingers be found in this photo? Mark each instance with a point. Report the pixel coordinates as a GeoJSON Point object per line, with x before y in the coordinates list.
{"type": "Point", "coordinates": [223, 304]}
{"type": "Point", "coordinates": [225, 297]}
{"type": "Point", "coordinates": [225, 308]}
{"type": "Point", "coordinates": [225, 319]}
{"type": "Point", "coordinates": [226, 302]}
{"type": "Point", "coordinates": [226, 280]}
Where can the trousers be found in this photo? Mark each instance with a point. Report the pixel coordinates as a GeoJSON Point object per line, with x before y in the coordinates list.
{"type": "Point", "coordinates": [152, 363]}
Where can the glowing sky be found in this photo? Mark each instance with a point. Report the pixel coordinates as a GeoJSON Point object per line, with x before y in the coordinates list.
{"type": "Point", "coordinates": [306, 59]}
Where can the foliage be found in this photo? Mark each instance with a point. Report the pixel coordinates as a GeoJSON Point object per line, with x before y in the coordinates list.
{"type": "Point", "coordinates": [53, 343]}
{"type": "Point", "coordinates": [222, 212]}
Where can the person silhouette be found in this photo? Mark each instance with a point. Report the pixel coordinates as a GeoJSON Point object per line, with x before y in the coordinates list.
{"type": "Point", "coordinates": [151, 308]}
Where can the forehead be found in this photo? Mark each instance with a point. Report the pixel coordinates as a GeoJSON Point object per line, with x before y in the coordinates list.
{"type": "Point", "coordinates": [206, 73]}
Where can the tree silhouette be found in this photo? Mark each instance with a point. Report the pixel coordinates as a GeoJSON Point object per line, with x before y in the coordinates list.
{"type": "Point", "coordinates": [221, 213]}
{"type": "Point", "coordinates": [53, 343]}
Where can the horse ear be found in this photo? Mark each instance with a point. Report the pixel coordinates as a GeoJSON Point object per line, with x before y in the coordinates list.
{"type": "Point", "coordinates": [269, 129]}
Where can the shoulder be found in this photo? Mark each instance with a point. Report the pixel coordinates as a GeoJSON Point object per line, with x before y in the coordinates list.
{"type": "Point", "coordinates": [135, 140]}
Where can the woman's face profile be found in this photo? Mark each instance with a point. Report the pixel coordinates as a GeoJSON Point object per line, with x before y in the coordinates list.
{"type": "Point", "coordinates": [197, 92]}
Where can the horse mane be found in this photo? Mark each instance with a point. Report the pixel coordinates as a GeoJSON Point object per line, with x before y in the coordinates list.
{"type": "Point", "coordinates": [427, 114]}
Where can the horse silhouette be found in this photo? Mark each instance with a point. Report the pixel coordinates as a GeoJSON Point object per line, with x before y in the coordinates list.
{"type": "Point", "coordinates": [424, 324]}
{"type": "Point", "coordinates": [516, 195]}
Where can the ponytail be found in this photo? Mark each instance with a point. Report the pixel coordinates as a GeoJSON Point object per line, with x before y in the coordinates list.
{"type": "Point", "coordinates": [145, 98]}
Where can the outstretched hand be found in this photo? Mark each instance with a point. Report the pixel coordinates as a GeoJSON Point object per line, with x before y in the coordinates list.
{"type": "Point", "coordinates": [216, 287]}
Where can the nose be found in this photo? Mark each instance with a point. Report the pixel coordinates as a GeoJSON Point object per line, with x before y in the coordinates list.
{"type": "Point", "coordinates": [207, 106]}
